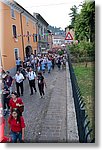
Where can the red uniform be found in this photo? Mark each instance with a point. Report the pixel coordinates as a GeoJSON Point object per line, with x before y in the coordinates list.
{"type": "Point", "coordinates": [12, 104]}
{"type": "Point", "coordinates": [16, 126]}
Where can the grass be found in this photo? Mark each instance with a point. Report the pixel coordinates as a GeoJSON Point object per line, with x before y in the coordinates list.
{"type": "Point", "coordinates": [86, 79]}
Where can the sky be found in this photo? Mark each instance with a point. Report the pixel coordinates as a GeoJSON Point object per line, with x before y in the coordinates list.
{"type": "Point", "coordinates": [55, 12]}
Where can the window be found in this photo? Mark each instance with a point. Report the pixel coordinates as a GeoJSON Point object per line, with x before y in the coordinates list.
{"type": "Point", "coordinates": [35, 37]}
{"type": "Point", "coordinates": [41, 30]}
{"type": "Point", "coordinates": [12, 13]}
{"type": "Point", "coordinates": [28, 36]}
{"type": "Point", "coordinates": [33, 26]}
{"type": "Point", "coordinates": [39, 37]}
{"type": "Point", "coordinates": [14, 31]}
{"type": "Point", "coordinates": [27, 21]}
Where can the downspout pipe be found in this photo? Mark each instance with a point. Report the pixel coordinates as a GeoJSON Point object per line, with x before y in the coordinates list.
{"type": "Point", "coordinates": [22, 33]}
{"type": "Point", "coordinates": [37, 34]}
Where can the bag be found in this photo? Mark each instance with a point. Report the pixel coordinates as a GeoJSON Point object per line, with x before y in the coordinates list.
{"type": "Point", "coordinates": [21, 108]}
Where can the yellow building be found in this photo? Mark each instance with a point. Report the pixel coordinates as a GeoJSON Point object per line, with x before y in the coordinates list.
{"type": "Point", "coordinates": [18, 33]}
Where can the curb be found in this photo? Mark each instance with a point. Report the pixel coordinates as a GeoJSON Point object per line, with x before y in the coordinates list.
{"type": "Point", "coordinates": [72, 130]}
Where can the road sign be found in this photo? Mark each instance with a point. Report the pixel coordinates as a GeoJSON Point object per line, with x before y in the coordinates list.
{"type": "Point", "coordinates": [68, 36]}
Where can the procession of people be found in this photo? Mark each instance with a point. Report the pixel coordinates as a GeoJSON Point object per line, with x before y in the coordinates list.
{"type": "Point", "coordinates": [32, 69]}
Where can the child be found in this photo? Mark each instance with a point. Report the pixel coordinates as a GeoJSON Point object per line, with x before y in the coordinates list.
{"type": "Point", "coordinates": [16, 126]}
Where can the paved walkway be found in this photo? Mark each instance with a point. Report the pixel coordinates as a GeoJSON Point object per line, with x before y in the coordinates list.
{"type": "Point", "coordinates": [51, 119]}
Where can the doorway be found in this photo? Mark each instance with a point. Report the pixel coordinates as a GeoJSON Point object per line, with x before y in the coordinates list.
{"type": "Point", "coordinates": [28, 51]}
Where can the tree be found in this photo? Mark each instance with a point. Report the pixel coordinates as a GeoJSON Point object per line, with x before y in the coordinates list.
{"type": "Point", "coordinates": [73, 15]}
{"type": "Point", "coordinates": [84, 47]}
{"type": "Point", "coordinates": [84, 28]}
{"type": "Point", "coordinates": [82, 51]}
{"type": "Point", "coordinates": [84, 24]}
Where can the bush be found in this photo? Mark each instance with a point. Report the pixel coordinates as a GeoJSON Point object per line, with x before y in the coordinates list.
{"type": "Point", "coordinates": [82, 49]}
{"type": "Point", "coordinates": [88, 59]}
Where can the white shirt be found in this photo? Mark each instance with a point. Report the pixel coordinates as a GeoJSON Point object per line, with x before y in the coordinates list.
{"type": "Point", "coordinates": [19, 78]}
{"type": "Point", "coordinates": [31, 75]}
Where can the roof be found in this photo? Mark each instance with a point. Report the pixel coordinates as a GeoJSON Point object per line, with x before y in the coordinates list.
{"type": "Point", "coordinates": [49, 31]}
{"type": "Point", "coordinates": [39, 17]}
{"type": "Point", "coordinates": [25, 11]}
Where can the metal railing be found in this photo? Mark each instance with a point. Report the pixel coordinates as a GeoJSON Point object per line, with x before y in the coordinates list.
{"type": "Point", "coordinates": [84, 131]}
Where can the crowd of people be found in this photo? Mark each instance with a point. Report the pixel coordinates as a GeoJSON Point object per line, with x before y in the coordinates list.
{"type": "Point", "coordinates": [32, 69]}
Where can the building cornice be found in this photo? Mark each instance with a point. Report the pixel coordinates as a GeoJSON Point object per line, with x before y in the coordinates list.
{"type": "Point", "coordinates": [40, 19]}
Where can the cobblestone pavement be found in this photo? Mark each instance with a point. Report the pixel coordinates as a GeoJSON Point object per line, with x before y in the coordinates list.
{"type": "Point", "coordinates": [47, 119]}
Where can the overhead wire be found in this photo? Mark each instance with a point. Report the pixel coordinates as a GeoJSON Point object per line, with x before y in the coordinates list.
{"type": "Point", "coordinates": [42, 5]}
{"type": "Point", "coordinates": [47, 5]}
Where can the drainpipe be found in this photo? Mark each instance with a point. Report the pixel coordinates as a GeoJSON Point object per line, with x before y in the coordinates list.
{"type": "Point", "coordinates": [37, 34]}
{"type": "Point", "coordinates": [22, 33]}
{"type": "Point", "coordinates": [1, 59]}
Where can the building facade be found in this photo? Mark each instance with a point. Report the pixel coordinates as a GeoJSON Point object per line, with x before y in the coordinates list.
{"type": "Point", "coordinates": [49, 40]}
{"type": "Point", "coordinates": [18, 33]}
{"type": "Point", "coordinates": [42, 33]}
{"type": "Point", "coordinates": [58, 40]}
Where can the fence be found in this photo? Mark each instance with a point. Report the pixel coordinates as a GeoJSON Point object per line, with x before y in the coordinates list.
{"type": "Point", "coordinates": [82, 118]}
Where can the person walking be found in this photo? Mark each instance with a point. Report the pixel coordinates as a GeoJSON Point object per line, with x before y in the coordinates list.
{"type": "Point", "coordinates": [19, 78]}
{"type": "Point", "coordinates": [18, 63]}
{"type": "Point", "coordinates": [43, 66]}
{"type": "Point", "coordinates": [53, 62]}
{"type": "Point", "coordinates": [31, 77]}
{"type": "Point", "coordinates": [23, 71]}
{"type": "Point", "coordinates": [59, 64]}
{"type": "Point", "coordinates": [5, 98]}
{"type": "Point", "coordinates": [9, 81]}
{"type": "Point", "coordinates": [49, 65]}
{"type": "Point", "coordinates": [16, 102]}
{"type": "Point", "coordinates": [41, 83]}
{"type": "Point", "coordinates": [16, 127]}
{"type": "Point", "coordinates": [38, 66]}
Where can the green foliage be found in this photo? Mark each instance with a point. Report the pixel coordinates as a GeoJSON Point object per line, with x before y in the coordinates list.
{"type": "Point", "coordinates": [70, 27]}
{"type": "Point", "coordinates": [73, 15]}
{"type": "Point", "coordinates": [84, 47]}
{"type": "Point", "coordinates": [82, 51]}
{"type": "Point", "coordinates": [74, 49]}
{"type": "Point", "coordinates": [84, 22]}
{"type": "Point", "coordinates": [84, 25]}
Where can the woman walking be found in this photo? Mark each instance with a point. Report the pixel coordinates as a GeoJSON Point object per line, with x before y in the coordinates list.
{"type": "Point", "coordinates": [9, 81]}
{"type": "Point", "coordinates": [16, 126]}
{"type": "Point", "coordinates": [41, 83]}
{"type": "Point", "coordinates": [16, 102]}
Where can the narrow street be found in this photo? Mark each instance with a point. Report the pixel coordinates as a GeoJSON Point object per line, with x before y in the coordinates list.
{"type": "Point", "coordinates": [59, 46]}
{"type": "Point", "coordinates": [51, 119]}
